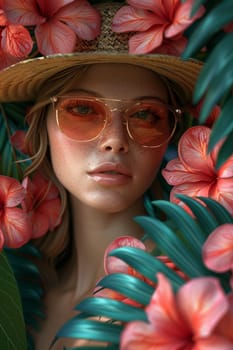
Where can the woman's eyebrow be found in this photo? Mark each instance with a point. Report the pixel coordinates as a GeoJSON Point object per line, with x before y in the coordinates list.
{"type": "Point", "coordinates": [141, 97]}
{"type": "Point", "coordinates": [86, 91]}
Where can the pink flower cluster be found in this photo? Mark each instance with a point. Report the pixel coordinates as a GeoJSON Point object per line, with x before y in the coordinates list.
{"type": "Point", "coordinates": [158, 25]}
{"type": "Point", "coordinates": [27, 210]}
{"type": "Point", "coordinates": [116, 265]}
{"type": "Point", "coordinates": [199, 316]}
{"type": "Point", "coordinates": [193, 173]}
{"type": "Point", "coordinates": [55, 27]}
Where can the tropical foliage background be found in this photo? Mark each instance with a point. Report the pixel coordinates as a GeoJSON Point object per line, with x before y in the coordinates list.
{"type": "Point", "coordinates": [181, 237]}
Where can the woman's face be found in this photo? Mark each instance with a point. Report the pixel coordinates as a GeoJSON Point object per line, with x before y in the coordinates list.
{"type": "Point", "coordinates": [112, 172]}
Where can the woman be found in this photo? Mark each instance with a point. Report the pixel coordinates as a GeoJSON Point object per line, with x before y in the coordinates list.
{"type": "Point", "coordinates": [102, 166]}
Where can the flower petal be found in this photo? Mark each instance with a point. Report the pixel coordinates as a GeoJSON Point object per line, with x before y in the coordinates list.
{"type": "Point", "coordinates": [82, 18]}
{"type": "Point", "coordinates": [132, 19]}
{"type": "Point", "coordinates": [16, 41]}
{"type": "Point", "coordinates": [11, 191]}
{"type": "Point", "coordinates": [17, 228]}
{"type": "Point", "coordinates": [45, 220]}
{"type": "Point", "coordinates": [23, 12]}
{"type": "Point", "coordinates": [225, 325]}
{"type": "Point", "coordinates": [3, 18]}
{"type": "Point", "coordinates": [147, 41]}
{"type": "Point", "coordinates": [175, 174]}
{"type": "Point", "coordinates": [218, 249]}
{"type": "Point", "coordinates": [55, 37]}
{"type": "Point", "coordinates": [192, 150]}
{"type": "Point", "coordinates": [213, 342]}
{"type": "Point", "coordinates": [151, 5]}
{"type": "Point", "coordinates": [163, 314]}
{"type": "Point", "coordinates": [113, 264]}
{"type": "Point", "coordinates": [165, 330]}
{"type": "Point", "coordinates": [49, 8]}
{"type": "Point", "coordinates": [182, 19]}
{"type": "Point", "coordinates": [2, 240]}
{"type": "Point", "coordinates": [223, 193]}
{"type": "Point", "coordinates": [192, 189]}
{"type": "Point", "coordinates": [226, 170]}
{"type": "Point", "coordinates": [7, 60]}
{"type": "Point", "coordinates": [40, 224]}
{"type": "Point", "coordinates": [139, 336]}
{"type": "Point", "coordinates": [174, 46]}
{"type": "Point", "coordinates": [202, 303]}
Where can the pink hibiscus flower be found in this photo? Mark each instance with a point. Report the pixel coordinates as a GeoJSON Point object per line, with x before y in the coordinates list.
{"type": "Point", "coordinates": [193, 173]}
{"type": "Point", "coordinates": [15, 226]}
{"type": "Point", "coordinates": [57, 22]}
{"type": "Point", "coordinates": [42, 204]}
{"type": "Point", "coordinates": [15, 41]}
{"type": "Point", "coordinates": [218, 250]}
{"type": "Point", "coordinates": [191, 319]}
{"type": "Point", "coordinates": [160, 25]}
{"type": "Point", "coordinates": [116, 265]}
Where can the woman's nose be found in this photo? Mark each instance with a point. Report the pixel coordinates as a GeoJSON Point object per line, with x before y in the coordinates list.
{"type": "Point", "coordinates": [114, 137]}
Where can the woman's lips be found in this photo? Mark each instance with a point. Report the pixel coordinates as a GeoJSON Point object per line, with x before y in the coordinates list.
{"type": "Point", "coordinates": [110, 174]}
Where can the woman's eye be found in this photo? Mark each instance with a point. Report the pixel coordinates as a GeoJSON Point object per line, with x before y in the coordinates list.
{"type": "Point", "coordinates": [80, 109]}
{"type": "Point", "coordinates": [146, 115]}
{"type": "Point", "coordinates": [83, 109]}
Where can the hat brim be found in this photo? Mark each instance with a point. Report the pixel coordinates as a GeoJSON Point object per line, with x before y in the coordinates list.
{"type": "Point", "coordinates": [22, 81]}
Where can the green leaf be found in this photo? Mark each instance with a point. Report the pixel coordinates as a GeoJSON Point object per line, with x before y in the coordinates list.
{"type": "Point", "coordinates": [110, 347]}
{"type": "Point", "coordinates": [129, 286]}
{"type": "Point", "coordinates": [146, 264]}
{"type": "Point", "coordinates": [218, 59]}
{"type": "Point", "coordinates": [184, 223]}
{"type": "Point", "coordinates": [223, 125]}
{"type": "Point", "coordinates": [225, 151]}
{"type": "Point", "coordinates": [214, 21]}
{"type": "Point", "coordinates": [29, 284]}
{"type": "Point", "coordinates": [90, 329]}
{"type": "Point", "coordinates": [217, 90]}
{"type": "Point", "coordinates": [12, 327]}
{"type": "Point", "coordinates": [221, 214]}
{"type": "Point", "coordinates": [205, 219]}
{"type": "Point", "coordinates": [173, 246]}
{"type": "Point", "coordinates": [196, 6]}
{"type": "Point", "coordinates": [98, 306]}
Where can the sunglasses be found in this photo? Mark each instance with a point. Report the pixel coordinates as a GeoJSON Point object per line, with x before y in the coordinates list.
{"type": "Point", "coordinates": [148, 121]}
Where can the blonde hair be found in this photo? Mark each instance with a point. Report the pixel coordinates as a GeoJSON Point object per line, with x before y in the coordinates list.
{"type": "Point", "coordinates": [55, 245]}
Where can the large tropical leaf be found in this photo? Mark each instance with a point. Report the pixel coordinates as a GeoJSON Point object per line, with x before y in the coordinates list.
{"type": "Point", "coordinates": [181, 238]}
{"type": "Point", "coordinates": [29, 286]}
{"type": "Point", "coordinates": [12, 326]}
{"type": "Point", "coordinates": [214, 84]}
{"type": "Point", "coordinates": [11, 119]}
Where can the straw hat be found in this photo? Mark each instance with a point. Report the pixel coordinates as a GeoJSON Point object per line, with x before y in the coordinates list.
{"type": "Point", "coordinates": [22, 81]}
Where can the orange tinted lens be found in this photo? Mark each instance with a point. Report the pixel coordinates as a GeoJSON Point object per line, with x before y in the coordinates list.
{"type": "Point", "coordinates": [80, 118]}
{"type": "Point", "coordinates": [150, 123]}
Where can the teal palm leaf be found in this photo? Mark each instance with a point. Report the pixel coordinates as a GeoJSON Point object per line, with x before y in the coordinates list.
{"type": "Point", "coordinates": [180, 237]}
{"type": "Point", "coordinates": [11, 119]}
{"type": "Point", "coordinates": [12, 327]}
{"type": "Point", "coordinates": [29, 286]}
{"type": "Point", "coordinates": [215, 81]}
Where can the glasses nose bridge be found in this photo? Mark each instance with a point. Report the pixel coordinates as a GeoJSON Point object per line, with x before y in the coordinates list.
{"type": "Point", "coordinates": [120, 110]}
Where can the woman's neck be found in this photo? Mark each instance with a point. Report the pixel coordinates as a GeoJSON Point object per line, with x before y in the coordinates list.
{"type": "Point", "coordinates": [93, 231]}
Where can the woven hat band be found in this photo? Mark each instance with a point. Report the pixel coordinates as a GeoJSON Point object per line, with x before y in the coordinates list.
{"type": "Point", "coordinates": [107, 40]}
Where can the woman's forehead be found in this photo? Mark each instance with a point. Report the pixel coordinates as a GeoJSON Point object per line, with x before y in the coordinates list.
{"type": "Point", "coordinates": [120, 81]}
